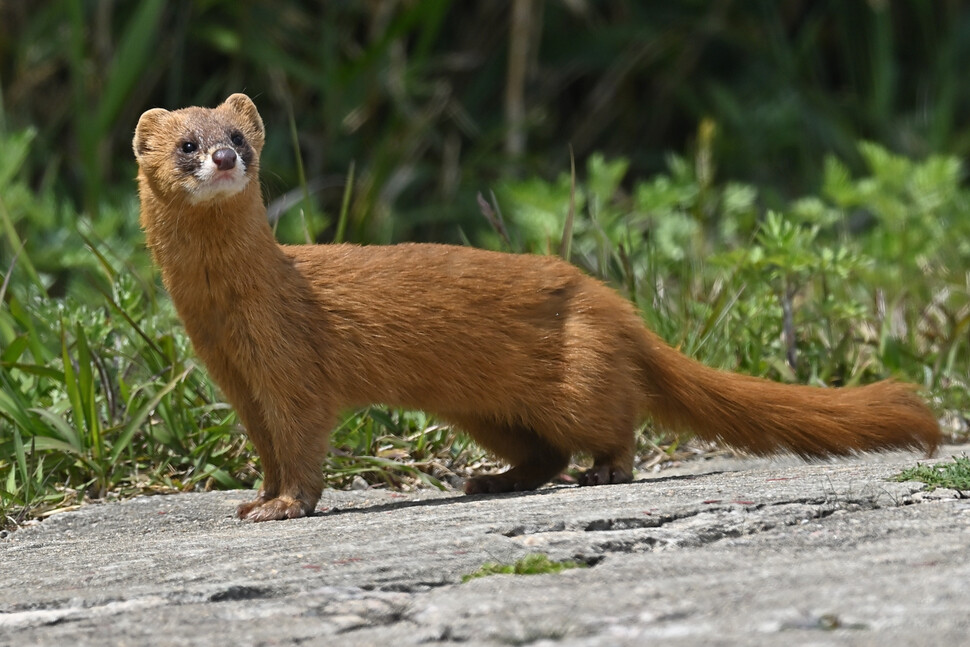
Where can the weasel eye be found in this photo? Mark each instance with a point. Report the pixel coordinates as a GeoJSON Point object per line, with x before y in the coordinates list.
{"type": "Point", "coordinates": [237, 139]}
{"type": "Point", "coordinates": [188, 147]}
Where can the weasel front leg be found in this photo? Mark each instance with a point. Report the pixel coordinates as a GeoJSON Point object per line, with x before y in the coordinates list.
{"type": "Point", "coordinates": [237, 392]}
{"type": "Point", "coordinates": [300, 444]}
{"type": "Point", "coordinates": [262, 440]}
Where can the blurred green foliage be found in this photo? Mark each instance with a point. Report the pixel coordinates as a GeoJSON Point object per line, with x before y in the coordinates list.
{"type": "Point", "coordinates": [866, 279]}
{"type": "Point", "coordinates": [426, 97]}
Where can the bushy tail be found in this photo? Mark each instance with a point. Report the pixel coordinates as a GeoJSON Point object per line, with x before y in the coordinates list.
{"type": "Point", "coordinates": [765, 417]}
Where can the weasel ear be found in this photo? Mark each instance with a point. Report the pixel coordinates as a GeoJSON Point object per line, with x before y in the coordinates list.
{"type": "Point", "coordinates": [148, 125]}
{"type": "Point", "coordinates": [245, 108]}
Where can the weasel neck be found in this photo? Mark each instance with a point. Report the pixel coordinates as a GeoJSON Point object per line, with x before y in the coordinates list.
{"type": "Point", "coordinates": [215, 252]}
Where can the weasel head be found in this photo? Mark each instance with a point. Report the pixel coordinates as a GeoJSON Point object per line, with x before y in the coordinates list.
{"type": "Point", "coordinates": [199, 155]}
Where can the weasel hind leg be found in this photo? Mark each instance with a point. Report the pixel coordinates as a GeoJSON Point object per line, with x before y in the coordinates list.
{"type": "Point", "coordinates": [534, 459]}
{"type": "Point", "coordinates": [527, 475]}
{"type": "Point", "coordinates": [613, 448]}
{"type": "Point", "coordinates": [608, 470]}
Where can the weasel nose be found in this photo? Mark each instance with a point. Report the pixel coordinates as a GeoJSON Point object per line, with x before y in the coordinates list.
{"type": "Point", "coordinates": [225, 159]}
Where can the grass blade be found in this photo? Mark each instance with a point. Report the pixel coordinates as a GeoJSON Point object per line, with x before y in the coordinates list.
{"type": "Point", "coordinates": [135, 422]}
{"type": "Point", "coordinates": [565, 245]}
{"type": "Point", "coordinates": [345, 205]}
{"type": "Point", "coordinates": [10, 232]}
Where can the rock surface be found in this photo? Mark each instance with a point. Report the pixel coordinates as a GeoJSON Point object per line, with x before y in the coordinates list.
{"type": "Point", "coordinates": [755, 552]}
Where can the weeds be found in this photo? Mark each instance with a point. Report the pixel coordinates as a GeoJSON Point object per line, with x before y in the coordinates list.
{"type": "Point", "coordinates": [954, 475]}
{"type": "Point", "coordinates": [105, 399]}
{"type": "Point", "coordinates": [536, 564]}
{"type": "Point", "coordinates": [817, 292]}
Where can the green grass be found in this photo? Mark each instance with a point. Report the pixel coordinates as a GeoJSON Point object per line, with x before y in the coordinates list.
{"type": "Point", "coordinates": [954, 475]}
{"type": "Point", "coordinates": [105, 399]}
{"type": "Point", "coordinates": [536, 564]}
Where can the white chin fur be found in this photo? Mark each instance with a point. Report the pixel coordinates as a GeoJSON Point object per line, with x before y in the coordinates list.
{"type": "Point", "coordinates": [213, 183]}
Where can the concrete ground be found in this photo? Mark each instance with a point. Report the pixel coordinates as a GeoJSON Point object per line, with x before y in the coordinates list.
{"type": "Point", "coordinates": [753, 552]}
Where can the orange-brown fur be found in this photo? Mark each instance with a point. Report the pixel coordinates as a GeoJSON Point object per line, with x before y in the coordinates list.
{"type": "Point", "coordinates": [534, 359]}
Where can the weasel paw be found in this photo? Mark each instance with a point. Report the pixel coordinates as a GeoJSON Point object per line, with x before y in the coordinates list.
{"type": "Point", "coordinates": [495, 483]}
{"type": "Point", "coordinates": [276, 509]}
{"type": "Point", "coordinates": [603, 474]}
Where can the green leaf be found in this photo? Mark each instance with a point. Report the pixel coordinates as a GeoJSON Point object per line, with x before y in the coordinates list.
{"type": "Point", "coordinates": [889, 169]}
{"type": "Point", "coordinates": [135, 49]}
{"type": "Point", "coordinates": [135, 421]}
{"type": "Point", "coordinates": [73, 389]}
{"type": "Point", "coordinates": [837, 183]}
{"type": "Point", "coordinates": [13, 151]}
{"type": "Point", "coordinates": [68, 435]}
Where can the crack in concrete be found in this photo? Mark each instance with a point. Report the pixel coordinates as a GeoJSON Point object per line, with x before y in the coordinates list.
{"type": "Point", "coordinates": [74, 611]}
{"type": "Point", "coordinates": [238, 592]}
{"type": "Point", "coordinates": [697, 526]}
{"type": "Point", "coordinates": [346, 609]}
{"type": "Point", "coordinates": [407, 587]}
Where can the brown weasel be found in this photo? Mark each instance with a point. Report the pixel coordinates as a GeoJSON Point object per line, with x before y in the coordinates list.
{"type": "Point", "coordinates": [530, 356]}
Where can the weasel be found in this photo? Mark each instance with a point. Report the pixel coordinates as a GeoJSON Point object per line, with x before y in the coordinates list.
{"type": "Point", "coordinates": [533, 358]}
